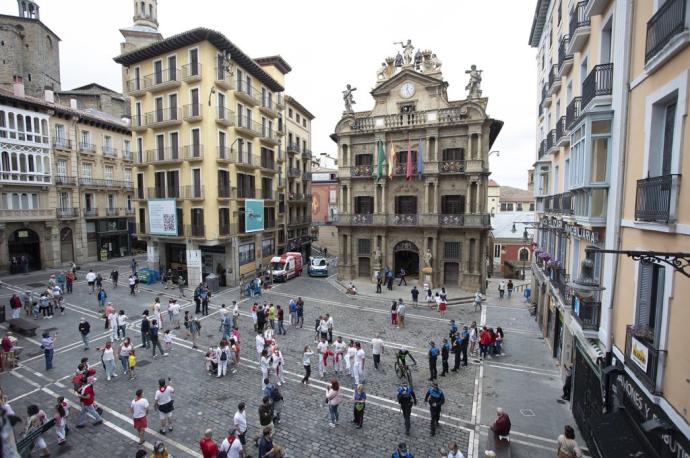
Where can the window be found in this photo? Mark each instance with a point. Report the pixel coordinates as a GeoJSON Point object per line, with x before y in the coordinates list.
{"type": "Point", "coordinates": [451, 250]}
{"type": "Point", "coordinates": [531, 206]}
{"type": "Point", "coordinates": [246, 253]}
{"type": "Point", "coordinates": [650, 299]}
{"type": "Point", "coordinates": [87, 170]}
{"type": "Point", "coordinates": [304, 122]}
{"type": "Point", "coordinates": [195, 137]}
{"type": "Point", "coordinates": [60, 136]}
{"type": "Point", "coordinates": [140, 150]}
{"type": "Point", "coordinates": [108, 175]}
{"type": "Point", "coordinates": [111, 201]}
{"type": "Point", "coordinates": [197, 218]}
{"type": "Point", "coordinates": [224, 221]}
{"type": "Point", "coordinates": [194, 62]}
{"type": "Point", "coordinates": [140, 185]}
{"type": "Point", "coordinates": [129, 202]}
{"type": "Point", "coordinates": [172, 106]}
{"type": "Point", "coordinates": [497, 250]}
{"type": "Point", "coordinates": [268, 247]}
{"type": "Point", "coordinates": [196, 183]}
{"type": "Point", "coordinates": [64, 200]}
{"type": "Point", "coordinates": [126, 149]}
{"type": "Point", "coordinates": [240, 76]}
{"type": "Point", "coordinates": [405, 205]}
{"type": "Point", "coordinates": [142, 220]}
{"type": "Point", "coordinates": [194, 108]}
{"type": "Point", "coordinates": [364, 159]}
{"type": "Point", "coordinates": [297, 117]}
{"type": "Point", "coordinates": [364, 205]}
{"type": "Point", "coordinates": [157, 72]}
{"type": "Point", "coordinates": [223, 183]}
{"type": "Point", "coordinates": [174, 144]}
{"type": "Point", "coordinates": [88, 202]}
{"type": "Point", "coordinates": [85, 137]}
{"type": "Point", "coordinates": [127, 176]}
{"type": "Point", "coordinates": [61, 167]}
{"type": "Point", "coordinates": [452, 205]}
{"type": "Point", "coordinates": [172, 68]}
{"type": "Point", "coordinates": [173, 181]}
{"type": "Point", "coordinates": [246, 186]}
{"type": "Point", "coordinates": [662, 136]}
{"type": "Point", "coordinates": [364, 247]}
{"type": "Point", "coordinates": [290, 113]}
{"type": "Point", "coordinates": [160, 147]}
{"type": "Point", "coordinates": [454, 154]}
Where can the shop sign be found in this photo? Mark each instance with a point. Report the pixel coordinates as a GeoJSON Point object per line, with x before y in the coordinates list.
{"type": "Point", "coordinates": [253, 215]}
{"type": "Point", "coordinates": [163, 217]}
{"type": "Point", "coordinates": [639, 354]}
{"type": "Point", "coordinates": [574, 230]}
{"type": "Point", "coordinates": [672, 443]}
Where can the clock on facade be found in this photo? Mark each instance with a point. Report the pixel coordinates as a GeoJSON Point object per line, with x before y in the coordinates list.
{"type": "Point", "coordinates": [407, 90]}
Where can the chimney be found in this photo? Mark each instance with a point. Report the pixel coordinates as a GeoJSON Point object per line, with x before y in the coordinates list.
{"type": "Point", "coordinates": [19, 86]}
{"type": "Point", "coordinates": [49, 95]}
{"type": "Point", "coordinates": [73, 104]}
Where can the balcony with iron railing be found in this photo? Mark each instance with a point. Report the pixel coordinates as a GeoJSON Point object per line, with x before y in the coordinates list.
{"type": "Point", "coordinates": [195, 231]}
{"type": "Point", "coordinates": [162, 80]}
{"type": "Point", "coordinates": [541, 151]}
{"type": "Point", "coordinates": [643, 356]}
{"type": "Point", "coordinates": [67, 212]}
{"type": "Point", "coordinates": [554, 79]}
{"type": "Point", "coordinates": [62, 180]}
{"type": "Point", "coordinates": [293, 172]}
{"type": "Point", "coordinates": [551, 146]}
{"type": "Point", "coordinates": [400, 169]}
{"type": "Point", "coordinates": [89, 148]}
{"type": "Point", "coordinates": [193, 112]}
{"type": "Point", "coordinates": [129, 212]}
{"type": "Point", "coordinates": [280, 101]}
{"type": "Point", "coordinates": [109, 151]}
{"type": "Point", "coordinates": [90, 212]}
{"type": "Point", "coordinates": [224, 154]}
{"type": "Point", "coordinates": [268, 135]}
{"type": "Point", "coordinates": [580, 27]}
{"type": "Point", "coordinates": [226, 192]}
{"type": "Point", "coordinates": [267, 106]}
{"type": "Point", "coordinates": [465, 220]}
{"type": "Point", "coordinates": [135, 86]}
{"type": "Point", "coordinates": [126, 155]}
{"type": "Point", "coordinates": [247, 93]}
{"type": "Point", "coordinates": [657, 199]}
{"type": "Point", "coordinates": [267, 194]}
{"type": "Point", "coordinates": [306, 175]}
{"type": "Point", "coordinates": [224, 116]}
{"type": "Point", "coordinates": [562, 132]}
{"type": "Point", "coordinates": [193, 152]}
{"type": "Point", "coordinates": [599, 83]}
{"type": "Point", "coordinates": [62, 143]}
{"type": "Point", "coordinates": [191, 72]}
{"type": "Point", "coordinates": [242, 158]}
{"type": "Point", "coordinates": [399, 121]}
{"type": "Point", "coordinates": [194, 192]}
{"type": "Point", "coordinates": [127, 185]}
{"type": "Point", "coordinates": [224, 78]}
{"type": "Point", "coordinates": [268, 163]}
{"type": "Point", "coordinates": [245, 125]}
{"type": "Point", "coordinates": [565, 59]}
{"type": "Point", "coordinates": [293, 148]}
{"type": "Point", "coordinates": [572, 112]}
{"type": "Point", "coordinates": [246, 193]}
{"type": "Point", "coordinates": [112, 211]}
{"type": "Point", "coordinates": [587, 313]}
{"type": "Point", "coordinates": [559, 279]}
{"type": "Point", "coordinates": [168, 154]}
{"type": "Point", "coordinates": [306, 154]}
{"type": "Point", "coordinates": [668, 22]}
{"type": "Point", "coordinates": [164, 117]}
{"type": "Point", "coordinates": [163, 193]}
{"type": "Point", "coordinates": [139, 123]}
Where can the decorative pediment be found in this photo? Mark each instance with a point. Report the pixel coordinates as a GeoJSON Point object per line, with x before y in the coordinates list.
{"type": "Point", "coordinates": [406, 74]}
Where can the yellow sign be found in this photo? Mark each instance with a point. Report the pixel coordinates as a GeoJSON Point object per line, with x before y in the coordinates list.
{"type": "Point", "coordinates": [104, 255]}
{"type": "Point", "coordinates": [639, 354]}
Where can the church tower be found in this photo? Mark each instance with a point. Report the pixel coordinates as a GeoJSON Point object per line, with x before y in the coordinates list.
{"type": "Point", "coordinates": [142, 33]}
{"type": "Point", "coordinates": [146, 13]}
{"type": "Point", "coordinates": [28, 9]}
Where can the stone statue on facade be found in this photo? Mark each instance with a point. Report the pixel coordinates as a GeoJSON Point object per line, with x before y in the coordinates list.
{"type": "Point", "coordinates": [381, 72]}
{"type": "Point", "coordinates": [427, 258]}
{"type": "Point", "coordinates": [347, 98]}
{"type": "Point", "coordinates": [377, 257]}
{"type": "Point", "coordinates": [408, 49]}
{"type": "Point", "coordinates": [399, 60]}
{"type": "Point", "coordinates": [436, 62]}
{"type": "Point", "coordinates": [390, 67]}
{"type": "Point", "coordinates": [418, 60]}
{"type": "Point", "coordinates": [474, 85]}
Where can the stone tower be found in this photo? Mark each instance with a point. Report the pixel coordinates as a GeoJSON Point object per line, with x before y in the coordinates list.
{"type": "Point", "coordinates": [142, 33]}
{"type": "Point", "coordinates": [28, 9]}
{"type": "Point", "coordinates": [146, 13]}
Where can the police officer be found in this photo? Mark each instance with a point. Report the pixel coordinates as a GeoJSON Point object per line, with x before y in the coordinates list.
{"type": "Point", "coordinates": [445, 352]}
{"type": "Point", "coordinates": [433, 357]}
{"type": "Point", "coordinates": [457, 342]}
{"type": "Point", "coordinates": [435, 398]}
{"type": "Point", "coordinates": [406, 398]}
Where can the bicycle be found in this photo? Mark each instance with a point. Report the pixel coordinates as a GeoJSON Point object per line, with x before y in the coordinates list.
{"type": "Point", "coordinates": [403, 372]}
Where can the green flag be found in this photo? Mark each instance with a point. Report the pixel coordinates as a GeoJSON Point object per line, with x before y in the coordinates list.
{"type": "Point", "coordinates": [381, 156]}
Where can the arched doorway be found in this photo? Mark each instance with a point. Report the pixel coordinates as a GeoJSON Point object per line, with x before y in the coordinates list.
{"type": "Point", "coordinates": [25, 245]}
{"type": "Point", "coordinates": [406, 256]}
{"type": "Point", "coordinates": [66, 245]}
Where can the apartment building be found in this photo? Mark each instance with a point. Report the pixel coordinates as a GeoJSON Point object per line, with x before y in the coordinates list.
{"type": "Point", "coordinates": [412, 176]}
{"type": "Point", "coordinates": [611, 104]}
{"type": "Point", "coordinates": [207, 151]}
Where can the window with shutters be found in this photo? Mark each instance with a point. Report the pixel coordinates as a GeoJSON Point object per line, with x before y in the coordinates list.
{"type": "Point", "coordinates": [364, 205]}
{"type": "Point", "coordinates": [364, 246]}
{"type": "Point", "coordinates": [454, 154]}
{"type": "Point", "coordinates": [650, 301]}
{"type": "Point", "coordinates": [406, 205]}
{"type": "Point", "coordinates": [453, 205]}
{"type": "Point", "coordinates": [451, 250]}
{"type": "Point", "coordinates": [497, 250]}
{"type": "Point", "coordinates": [364, 159]}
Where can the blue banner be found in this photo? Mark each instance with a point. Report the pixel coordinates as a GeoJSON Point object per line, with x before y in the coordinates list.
{"type": "Point", "coordinates": [253, 215]}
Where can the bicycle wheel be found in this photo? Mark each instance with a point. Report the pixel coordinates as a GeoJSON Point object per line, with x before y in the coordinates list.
{"type": "Point", "coordinates": [398, 370]}
{"type": "Point", "coordinates": [408, 374]}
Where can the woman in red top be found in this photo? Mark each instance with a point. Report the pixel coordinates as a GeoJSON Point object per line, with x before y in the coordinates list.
{"type": "Point", "coordinates": [492, 343]}
{"type": "Point", "coordinates": [484, 342]}
{"type": "Point", "coordinates": [209, 448]}
{"type": "Point", "coordinates": [87, 398]}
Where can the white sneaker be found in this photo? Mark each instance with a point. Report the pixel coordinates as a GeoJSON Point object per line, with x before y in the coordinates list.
{"type": "Point", "coordinates": [165, 354]}
{"type": "Point", "coordinates": [114, 375]}
{"type": "Point", "coordinates": [331, 425]}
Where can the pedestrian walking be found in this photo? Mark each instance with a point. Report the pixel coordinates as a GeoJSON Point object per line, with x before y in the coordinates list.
{"type": "Point", "coordinates": [132, 364]}
{"type": "Point", "coordinates": [164, 403]}
{"type": "Point", "coordinates": [454, 451]}
{"type": "Point", "coordinates": [133, 265]}
{"type": "Point", "coordinates": [415, 296]}
{"type": "Point", "coordinates": [69, 281]}
{"type": "Point", "coordinates": [222, 355]}
{"type": "Point", "coordinates": [433, 358]}
{"type": "Point", "coordinates": [276, 398]}
{"type": "Point", "coordinates": [102, 296]}
{"type": "Point", "coordinates": [61, 280]}
{"type": "Point", "coordinates": [180, 284]}
{"type": "Point", "coordinates": [379, 281]}
{"type": "Point", "coordinates": [60, 423]}
{"type": "Point", "coordinates": [139, 408]}
{"type": "Point", "coordinates": [16, 305]}
{"type": "Point", "coordinates": [145, 328]}
{"type": "Point", "coordinates": [91, 281]}
{"type": "Point", "coordinates": [445, 352]}
{"type": "Point", "coordinates": [390, 279]}
{"type": "Point", "coordinates": [401, 313]}
{"type": "Point", "coordinates": [501, 288]}
{"type": "Point", "coordinates": [122, 321]}
{"type": "Point", "coordinates": [132, 285]}
{"type": "Point", "coordinates": [209, 448]}
{"type": "Point", "coordinates": [240, 422]}
{"type": "Point", "coordinates": [36, 419]}
{"type": "Point", "coordinates": [265, 418]}
{"type": "Point", "coordinates": [567, 446]}
{"type": "Point", "coordinates": [300, 312]}
{"type": "Point", "coordinates": [473, 338]}
{"type": "Point", "coordinates": [265, 364]}
{"type": "Point", "coordinates": [84, 330]}
{"type": "Point", "coordinates": [333, 400]}
{"type": "Point", "coordinates": [430, 298]}
{"type": "Point", "coordinates": [484, 342]}
{"type": "Point", "coordinates": [329, 327]}
{"type": "Point", "coordinates": [112, 325]}
{"type": "Point", "coordinates": [498, 344]}
{"type": "Point", "coordinates": [306, 361]}
{"type": "Point", "coordinates": [235, 314]}
{"type": "Point", "coordinates": [510, 288]}
{"type": "Point", "coordinates": [87, 398]}
{"type": "Point", "coordinates": [205, 296]}
{"type": "Point", "coordinates": [196, 296]}
{"type": "Point", "coordinates": [435, 398]}
{"type": "Point", "coordinates": [48, 347]}
{"type": "Point", "coordinates": [123, 355]}
{"type": "Point", "coordinates": [406, 398]}
{"type": "Point", "coordinates": [271, 315]}
{"type": "Point", "coordinates": [195, 331]}
{"type": "Point", "coordinates": [477, 301]}
{"type": "Point", "coordinates": [278, 363]}
{"type": "Point", "coordinates": [265, 442]}
{"type": "Point", "coordinates": [114, 275]}
{"type": "Point", "coordinates": [441, 305]}
{"type": "Point", "coordinates": [377, 349]}
{"type": "Point", "coordinates": [168, 341]}
{"type": "Point", "coordinates": [402, 274]}
{"type": "Point", "coordinates": [358, 369]}
{"type": "Point", "coordinates": [339, 348]}
{"type": "Point", "coordinates": [281, 317]}
{"type": "Point", "coordinates": [155, 342]}
{"type": "Point", "coordinates": [108, 360]}
{"type": "Point", "coordinates": [350, 353]}
{"type": "Point", "coordinates": [360, 400]}
{"type": "Point", "coordinates": [394, 313]}
{"type": "Point", "coordinates": [527, 293]}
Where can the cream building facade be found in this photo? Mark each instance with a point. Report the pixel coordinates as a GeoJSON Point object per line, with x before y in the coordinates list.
{"type": "Point", "coordinates": [433, 213]}
{"type": "Point", "coordinates": [611, 130]}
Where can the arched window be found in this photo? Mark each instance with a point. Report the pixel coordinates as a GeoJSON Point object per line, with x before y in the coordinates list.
{"type": "Point", "coordinates": [15, 165]}
{"type": "Point", "coordinates": [31, 163]}
{"type": "Point", "coordinates": [151, 11]}
{"type": "Point", "coordinates": [25, 201]}
{"type": "Point", "coordinates": [44, 130]}
{"type": "Point", "coordinates": [22, 163]}
{"type": "Point", "coordinates": [524, 254]}
{"type": "Point", "coordinates": [5, 161]}
{"type": "Point", "coordinates": [50, 42]}
{"type": "Point", "coordinates": [143, 9]}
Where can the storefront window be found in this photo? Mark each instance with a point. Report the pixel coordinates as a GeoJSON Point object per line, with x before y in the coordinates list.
{"type": "Point", "coordinates": [247, 253]}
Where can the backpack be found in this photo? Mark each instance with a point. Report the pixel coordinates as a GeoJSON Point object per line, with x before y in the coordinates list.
{"type": "Point", "coordinates": [223, 355]}
{"type": "Point", "coordinates": [275, 395]}
{"type": "Point", "coordinates": [405, 396]}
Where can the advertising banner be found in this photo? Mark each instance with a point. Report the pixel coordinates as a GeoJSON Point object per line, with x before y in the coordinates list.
{"type": "Point", "coordinates": [162, 217]}
{"type": "Point", "coordinates": [253, 215]}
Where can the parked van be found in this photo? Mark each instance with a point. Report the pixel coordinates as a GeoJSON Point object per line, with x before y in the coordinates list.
{"type": "Point", "coordinates": [286, 266]}
{"type": "Point", "coordinates": [318, 267]}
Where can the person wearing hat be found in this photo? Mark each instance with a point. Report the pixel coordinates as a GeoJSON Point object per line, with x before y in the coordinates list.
{"type": "Point", "coordinates": [401, 451]}
{"type": "Point", "coordinates": [209, 448]}
{"type": "Point", "coordinates": [84, 330]}
{"type": "Point", "coordinates": [435, 398]}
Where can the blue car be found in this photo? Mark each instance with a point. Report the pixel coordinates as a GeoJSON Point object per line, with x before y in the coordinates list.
{"type": "Point", "coordinates": [318, 267]}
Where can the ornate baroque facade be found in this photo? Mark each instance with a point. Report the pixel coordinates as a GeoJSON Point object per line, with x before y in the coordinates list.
{"type": "Point", "coordinates": [426, 203]}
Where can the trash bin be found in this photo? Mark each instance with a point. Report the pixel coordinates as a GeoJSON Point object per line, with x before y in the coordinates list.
{"type": "Point", "coordinates": [212, 282]}
{"type": "Point", "coordinates": [2, 314]}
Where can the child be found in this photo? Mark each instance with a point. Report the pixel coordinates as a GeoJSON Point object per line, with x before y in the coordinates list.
{"type": "Point", "coordinates": [168, 341]}
{"type": "Point", "coordinates": [131, 363]}
{"type": "Point", "coordinates": [430, 297]}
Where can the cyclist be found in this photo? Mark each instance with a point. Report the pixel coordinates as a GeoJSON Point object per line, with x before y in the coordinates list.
{"type": "Point", "coordinates": [406, 398]}
{"type": "Point", "coordinates": [402, 356]}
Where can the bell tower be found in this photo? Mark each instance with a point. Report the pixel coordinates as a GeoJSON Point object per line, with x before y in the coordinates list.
{"type": "Point", "coordinates": [142, 33]}
{"type": "Point", "coordinates": [28, 9]}
{"type": "Point", "coordinates": [146, 13]}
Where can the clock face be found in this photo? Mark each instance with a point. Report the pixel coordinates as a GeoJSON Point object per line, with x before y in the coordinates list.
{"type": "Point", "coordinates": [407, 90]}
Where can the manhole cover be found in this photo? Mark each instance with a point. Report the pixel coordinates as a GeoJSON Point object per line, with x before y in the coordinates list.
{"type": "Point", "coordinates": [527, 412]}
{"type": "Point", "coordinates": [36, 285]}
{"type": "Point", "coordinates": [142, 363]}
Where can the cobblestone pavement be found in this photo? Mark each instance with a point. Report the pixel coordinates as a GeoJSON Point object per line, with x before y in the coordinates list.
{"type": "Point", "coordinates": [203, 401]}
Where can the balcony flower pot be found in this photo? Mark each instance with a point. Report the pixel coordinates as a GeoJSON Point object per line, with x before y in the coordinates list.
{"type": "Point", "coordinates": [643, 333]}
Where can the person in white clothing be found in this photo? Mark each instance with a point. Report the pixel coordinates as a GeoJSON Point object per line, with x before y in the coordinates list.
{"type": "Point", "coordinates": [223, 355]}
{"type": "Point", "coordinates": [265, 364]}
{"type": "Point", "coordinates": [340, 347]}
{"type": "Point", "coordinates": [139, 408]}
{"type": "Point", "coordinates": [112, 323]}
{"type": "Point", "coordinates": [234, 449]}
{"type": "Point", "coordinates": [260, 343]}
{"type": "Point", "coordinates": [108, 358]}
{"type": "Point", "coordinates": [278, 365]}
{"type": "Point", "coordinates": [164, 404]}
{"type": "Point", "coordinates": [321, 349]}
{"type": "Point", "coordinates": [350, 357]}
{"type": "Point", "coordinates": [358, 369]}
{"type": "Point", "coordinates": [240, 421]}
{"type": "Point", "coordinates": [377, 350]}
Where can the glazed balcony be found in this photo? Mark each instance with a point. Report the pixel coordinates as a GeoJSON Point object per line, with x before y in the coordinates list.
{"type": "Point", "coordinates": [667, 22]}
{"type": "Point", "coordinates": [68, 212]}
{"type": "Point", "coordinates": [224, 78]}
{"type": "Point", "coordinates": [164, 117]}
{"type": "Point", "coordinates": [565, 58]}
{"type": "Point", "coordinates": [191, 72]}
{"type": "Point", "coordinates": [247, 93]}
{"type": "Point", "coordinates": [657, 199]}
{"type": "Point", "coordinates": [193, 112]}
{"type": "Point", "coordinates": [573, 112]}
{"type": "Point", "coordinates": [225, 117]}
{"type": "Point", "coordinates": [587, 313]}
{"type": "Point", "coordinates": [562, 132]}
{"type": "Point", "coordinates": [598, 85]}
{"type": "Point", "coordinates": [643, 356]}
{"type": "Point", "coordinates": [165, 79]}
{"type": "Point", "coordinates": [167, 155]}
{"type": "Point", "coordinates": [580, 28]}
{"type": "Point", "coordinates": [193, 152]}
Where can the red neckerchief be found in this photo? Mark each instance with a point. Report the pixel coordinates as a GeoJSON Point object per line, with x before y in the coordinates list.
{"type": "Point", "coordinates": [137, 398]}
{"type": "Point", "coordinates": [163, 388]}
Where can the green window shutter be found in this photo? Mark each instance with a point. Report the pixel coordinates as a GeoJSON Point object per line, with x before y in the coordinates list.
{"type": "Point", "coordinates": [644, 294]}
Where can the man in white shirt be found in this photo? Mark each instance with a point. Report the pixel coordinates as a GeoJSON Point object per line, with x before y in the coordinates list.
{"type": "Point", "coordinates": [454, 451]}
{"type": "Point", "coordinates": [321, 349]}
{"type": "Point", "coordinates": [140, 409]}
{"type": "Point", "coordinates": [358, 370]}
{"type": "Point", "coordinates": [234, 449]}
{"type": "Point", "coordinates": [235, 314]}
{"type": "Point", "coordinates": [260, 343]}
{"type": "Point", "coordinates": [240, 421]}
{"type": "Point", "coordinates": [164, 401]}
{"type": "Point", "coordinates": [401, 313]}
{"type": "Point", "coordinates": [350, 358]}
{"type": "Point", "coordinates": [339, 348]}
{"type": "Point", "coordinates": [329, 327]}
{"type": "Point", "coordinates": [91, 281]}
{"type": "Point", "coordinates": [377, 350]}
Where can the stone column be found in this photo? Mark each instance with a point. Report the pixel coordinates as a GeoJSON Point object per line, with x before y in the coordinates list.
{"type": "Point", "coordinates": [194, 274]}
{"type": "Point", "coordinates": [468, 197]}
{"type": "Point", "coordinates": [376, 199]}
{"type": "Point", "coordinates": [436, 197]}
{"type": "Point", "coordinates": [383, 198]}
{"type": "Point", "coordinates": [425, 207]}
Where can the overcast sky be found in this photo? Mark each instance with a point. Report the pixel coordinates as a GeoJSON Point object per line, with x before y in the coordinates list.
{"type": "Point", "coordinates": [330, 43]}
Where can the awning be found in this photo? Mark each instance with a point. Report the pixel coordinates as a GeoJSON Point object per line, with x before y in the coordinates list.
{"type": "Point", "coordinates": [615, 434]}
